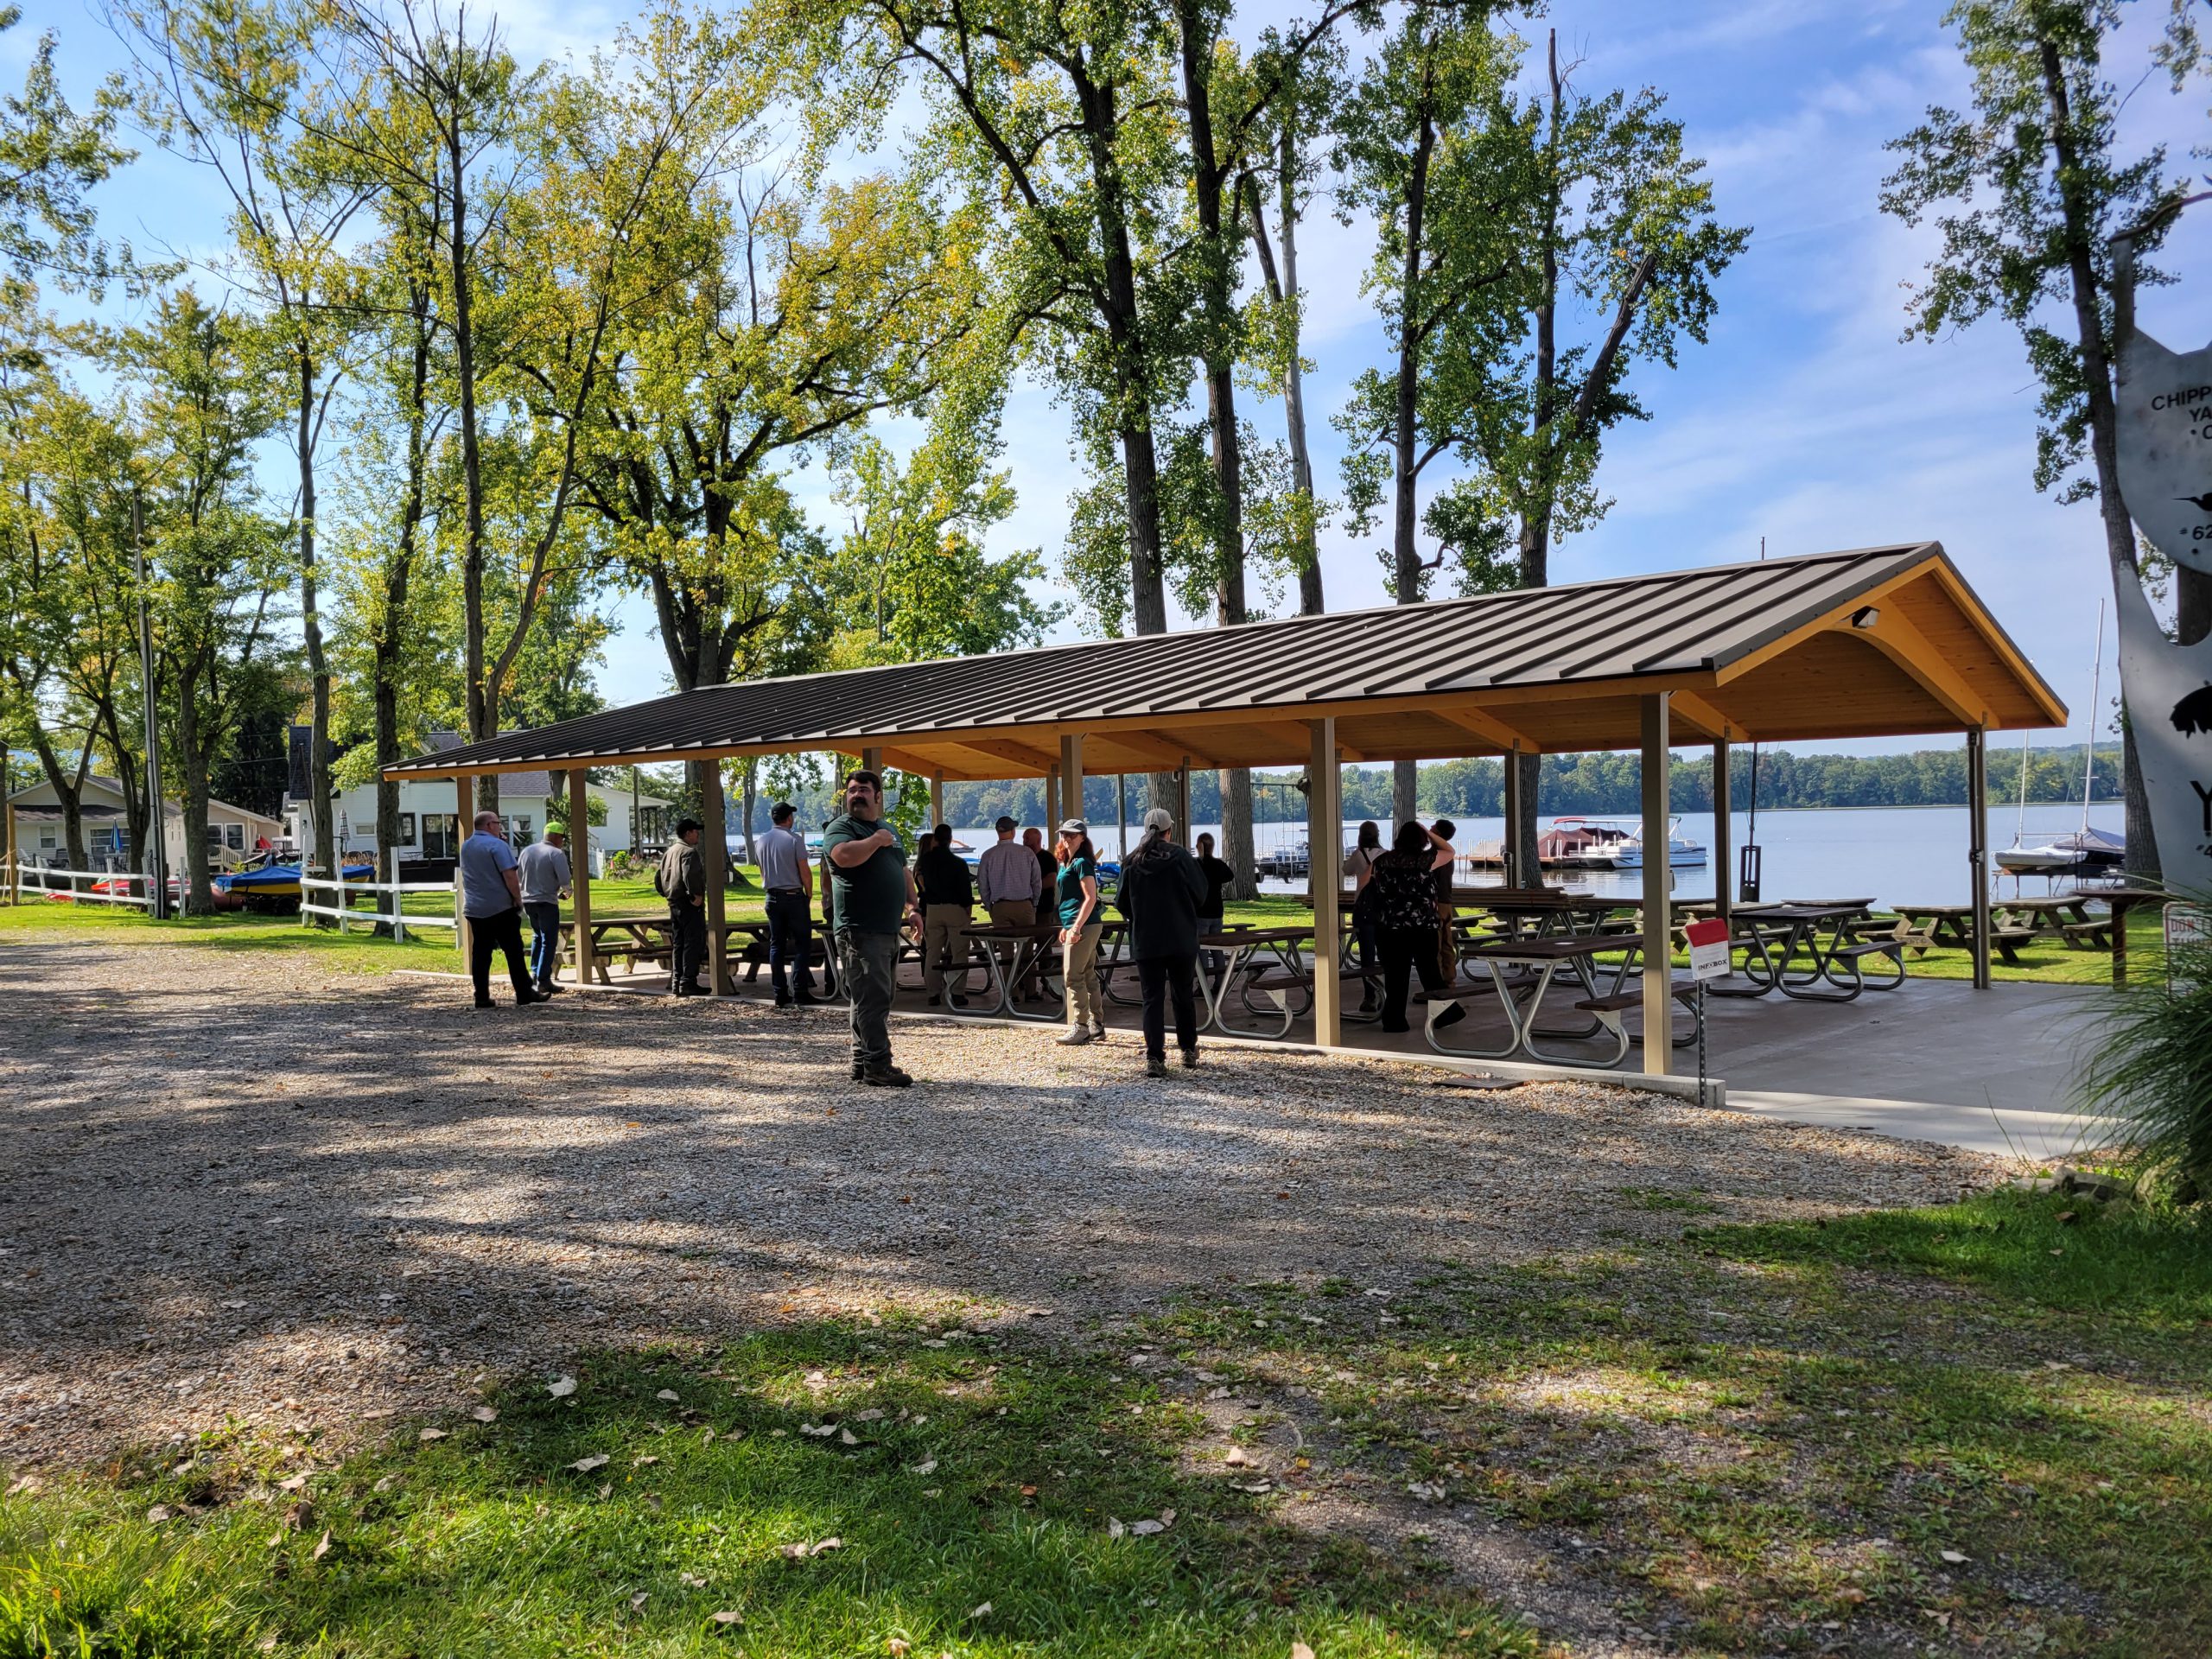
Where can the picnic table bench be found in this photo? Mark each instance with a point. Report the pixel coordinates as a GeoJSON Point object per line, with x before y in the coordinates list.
{"type": "Point", "coordinates": [1953, 925]}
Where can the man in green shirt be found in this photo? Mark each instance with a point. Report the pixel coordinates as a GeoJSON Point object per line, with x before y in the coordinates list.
{"type": "Point", "coordinates": [871, 897]}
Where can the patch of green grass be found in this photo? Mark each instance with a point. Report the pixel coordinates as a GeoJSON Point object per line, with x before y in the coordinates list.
{"type": "Point", "coordinates": [1766, 1438]}
{"type": "Point", "coordinates": [2045, 1250]}
{"type": "Point", "coordinates": [962, 1504]}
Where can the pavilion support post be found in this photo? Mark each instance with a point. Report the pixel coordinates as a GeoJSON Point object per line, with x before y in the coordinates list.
{"type": "Point", "coordinates": [1072, 775]}
{"type": "Point", "coordinates": [940, 811]}
{"type": "Point", "coordinates": [1658, 873]}
{"type": "Point", "coordinates": [1978, 848]}
{"type": "Point", "coordinates": [1518, 871]}
{"type": "Point", "coordinates": [580, 866]}
{"type": "Point", "coordinates": [1052, 813]}
{"type": "Point", "coordinates": [872, 761]}
{"type": "Point", "coordinates": [1183, 803]}
{"type": "Point", "coordinates": [1325, 843]}
{"type": "Point", "coordinates": [1724, 840]}
{"type": "Point", "coordinates": [713, 841]}
{"type": "Point", "coordinates": [464, 806]}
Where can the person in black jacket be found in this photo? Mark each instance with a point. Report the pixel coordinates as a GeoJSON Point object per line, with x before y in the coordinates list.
{"type": "Point", "coordinates": [948, 893]}
{"type": "Point", "coordinates": [1161, 891]}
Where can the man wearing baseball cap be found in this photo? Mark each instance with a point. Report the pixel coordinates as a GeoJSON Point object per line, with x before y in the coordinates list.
{"type": "Point", "coordinates": [1162, 888]}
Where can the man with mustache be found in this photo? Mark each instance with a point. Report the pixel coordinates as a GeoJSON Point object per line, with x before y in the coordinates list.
{"type": "Point", "coordinates": [872, 896]}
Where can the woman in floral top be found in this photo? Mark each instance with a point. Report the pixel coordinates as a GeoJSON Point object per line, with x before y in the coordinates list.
{"type": "Point", "coordinates": [1407, 926]}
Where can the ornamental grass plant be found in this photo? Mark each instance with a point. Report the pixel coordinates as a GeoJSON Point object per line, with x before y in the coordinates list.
{"type": "Point", "coordinates": [2148, 1073]}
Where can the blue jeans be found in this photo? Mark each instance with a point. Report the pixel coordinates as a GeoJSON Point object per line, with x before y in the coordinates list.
{"type": "Point", "coordinates": [790, 925]}
{"type": "Point", "coordinates": [545, 940]}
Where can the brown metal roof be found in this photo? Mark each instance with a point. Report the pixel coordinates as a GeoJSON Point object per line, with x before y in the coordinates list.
{"type": "Point", "coordinates": [1562, 666]}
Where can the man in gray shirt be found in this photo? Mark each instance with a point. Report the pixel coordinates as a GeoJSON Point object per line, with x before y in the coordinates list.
{"type": "Point", "coordinates": [789, 877]}
{"type": "Point", "coordinates": [682, 880]}
{"type": "Point", "coordinates": [490, 893]}
{"type": "Point", "coordinates": [543, 867]}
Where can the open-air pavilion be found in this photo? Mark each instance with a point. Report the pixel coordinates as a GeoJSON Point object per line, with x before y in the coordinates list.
{"type": "Point", "coordinates": [1871, 642]}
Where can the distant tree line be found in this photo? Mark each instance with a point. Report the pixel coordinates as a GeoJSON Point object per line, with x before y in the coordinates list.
{"type": "Point", "coordinates": [1605, 784]}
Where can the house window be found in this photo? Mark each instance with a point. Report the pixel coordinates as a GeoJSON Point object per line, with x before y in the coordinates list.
{"type": "Point", "coordinates": [48, 838]}
{"type": "Point", "coordinates": [214, 837]}
{"type": "Point", "coordinates": [521, 822]}
{"type": "Point", "coordinates": [407, 828]}
{"type": "Point", "coordinates": [440, 834]}
{"type": "Point", "coordinates": [234, 837]}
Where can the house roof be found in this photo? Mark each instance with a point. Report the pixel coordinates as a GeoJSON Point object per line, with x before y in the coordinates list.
{"type": "Point", "coordinates": [170, 808]}
{"type": "Point", "coordinates": [1866, 642]}
{"type": "Point", "coordinates": [538, 780]}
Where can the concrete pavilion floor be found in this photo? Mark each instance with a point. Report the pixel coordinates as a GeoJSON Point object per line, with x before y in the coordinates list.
{"type": "Point", "coordinates": [1935, 1059]}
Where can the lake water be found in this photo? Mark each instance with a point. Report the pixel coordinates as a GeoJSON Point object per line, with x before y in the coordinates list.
{"type": "Point", "coordinates": [1913, 854]}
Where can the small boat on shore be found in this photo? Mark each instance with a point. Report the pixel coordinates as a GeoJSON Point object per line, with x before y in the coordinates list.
{"type": "Point", "coordinates": [1683, 853]}
{"type": "Point", "coordinates": [2082, 852]}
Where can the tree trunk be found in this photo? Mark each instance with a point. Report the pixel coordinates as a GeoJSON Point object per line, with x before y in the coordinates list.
{"type": "Point", "coordinates": [2104, 422]}
{"type": "Point", "coordinates": [752, 799]}
{"type": "Point", "coordinates": [69, 791]}
{"type": "Point", "coordinates": [191, 763]}
{"type": "Point", "coordinates": [325, 853]}
{"type": "Point", "coordinates": [1310, 600]}
{"type": "Point", "coordinates": [1405, 804]}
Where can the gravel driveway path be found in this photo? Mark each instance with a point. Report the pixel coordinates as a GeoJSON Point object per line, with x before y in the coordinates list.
{"type": "Point", "coordinates": [241, 1184]}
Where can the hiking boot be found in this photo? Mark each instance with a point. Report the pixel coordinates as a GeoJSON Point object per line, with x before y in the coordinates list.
{"type": "Point", "coordinates": [884, 1075]}
{"type": "Point", "coordinates": [524, 999]}
{"type": "Point", "coordinates": [860, 1070]}
{"type": "Point", "coordinates": [486, 1002]}
{"type": "Point", "coordinates": [1155, 1066]}
{"type": "Point", "coordinates": [1190, 1060]}
{"type": "Point", "coordinates": [1098, 1030]}
{"type": "Point", "coordinates": [959, 1002]}
{"type": "Point", "coordinates": [547, 988]}
{"type": "Point", "coordinates": [783, 999]}
{"type": "Point", "coordinates": [1075, 1035]}
{"type": "Point", "coordinates": [936, 1001]}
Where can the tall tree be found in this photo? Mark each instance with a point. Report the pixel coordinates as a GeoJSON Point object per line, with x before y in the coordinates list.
{"type": "Point", "coordinates": [230, 88]}
{"type": "Point", "coordinates": [2028, 188]}
{"type": "Point", "coordinates": [206, 397]}
{"type": "Point", "coordinates": [51, 156]}
{"type": "Point", "coordinates": [1432, 91]}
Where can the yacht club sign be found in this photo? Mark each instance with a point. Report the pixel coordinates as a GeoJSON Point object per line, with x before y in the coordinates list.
{"type": "Point", "coordinates": [2165, 444]}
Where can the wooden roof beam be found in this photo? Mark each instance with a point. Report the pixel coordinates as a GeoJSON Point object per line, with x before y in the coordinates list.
{"type": "Point", "coordinates": [909, 760]}
{"type": "Point", "coordinates": [1707, 718]}
{"type": "Point", "coordinates": [1893, 633]}
{"type": "Point", "coordinates": [1489, 729]}
{"type": "Point", "coordinates": [1034, 763]}
{"type": "Point", "coordinates": [1159, 748]}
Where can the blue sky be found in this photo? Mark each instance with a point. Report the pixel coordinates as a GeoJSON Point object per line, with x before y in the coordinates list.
{"type": "Point", "coordinates": [1805, 420]}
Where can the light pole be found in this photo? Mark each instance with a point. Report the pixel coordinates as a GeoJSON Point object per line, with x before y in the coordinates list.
{"type": "Point", "coordinates": [155, 854]}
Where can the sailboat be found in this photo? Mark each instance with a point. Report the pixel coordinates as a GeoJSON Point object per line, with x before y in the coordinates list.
{"type": "Point", "coordinates": [2086, 851]}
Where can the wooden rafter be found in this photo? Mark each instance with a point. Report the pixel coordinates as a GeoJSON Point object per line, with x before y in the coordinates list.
{"type": "Point", "coordinates": [1708, 719]}
{"type": "Point", "coordinates": [1895, 636]}
{"type": "Point", "coordinates": [1488, 727]}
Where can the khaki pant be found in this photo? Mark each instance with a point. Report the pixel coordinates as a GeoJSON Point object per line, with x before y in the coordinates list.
{"type": "Point", "coordinates": [1079, 965]}
{"type": "Point", "coordinates": [1012, 912]}
{"type": "Point", "coordinates": [944, 945]}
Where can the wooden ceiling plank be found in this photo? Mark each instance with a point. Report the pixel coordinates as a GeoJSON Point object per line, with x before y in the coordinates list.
{"type": "Point", "coordinates": [1894, 635]}
{"type": "Point", "coordinates": [1487, 726]}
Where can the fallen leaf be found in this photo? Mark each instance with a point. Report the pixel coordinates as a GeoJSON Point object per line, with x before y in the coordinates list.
{"type": "Point", "coordinates": [25, 1484]}
{"type": "Point", "coordinates": [321, 1547]}
{"type": "Point", "coordinates": [791, 1552]}
{"type": "Point", "coordinates": [1029, 1491]}
{"type": "Point", "coordinates": [585, 1465]}
{"type": "Point", "coordinates": [644, 1462]}
{"type": "Point", "coordinates": [1114, 1529]}
{"type": "Point", "coordinates": [292, 1482]}
{"type": "Point", "coordinates": [692, 1580]}
{"type": "Point", "coordinates": [562, 1387]}
{"type": "Point", "coordinates": [982, 1610]}
{"type": "Point", "coordinates": [928, 1468]}
{"type": "Point", "coordinates": [1956, 1558]}
{"type": "Point", "coordinates": [158, 1513]}
{"type": "Point", "coordinates": [485, 1414]}
{"type": "Point", "coordinates": [1299, 1650]}
{"type": "Point", "coordinates": [1145, 1528]}
{"type": "Point", "coordinates": [1236, 1459]}
{"type": "Point", "coordinates": [638, 1602]}
{"type": "Point", "coordinates": [429, 1434]}
{"type": "Point", "coordinates": [727, 1617]}
{"type": "Point", "coordinates": [827, 1543]}
{"type": "Point", "coordinates": [668, 1394]}
{"type": "Point", "coordinates": [605, 1488]}
{"type": "Point", "coordinates": [873, 1414]}
{"type": "Point", "coordinates": [897, 1649]}
{"type": "Point", "coordinates": [385, 1485]}
{"type": "Point", "coordinates": [846, 1437]}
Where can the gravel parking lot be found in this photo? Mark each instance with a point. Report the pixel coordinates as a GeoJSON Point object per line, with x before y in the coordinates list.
{"type": "Point", "coordinates": [241, 1185]}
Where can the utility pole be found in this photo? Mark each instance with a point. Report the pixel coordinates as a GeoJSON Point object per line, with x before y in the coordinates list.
{"type": "Point", "coordinates": [154, 854]}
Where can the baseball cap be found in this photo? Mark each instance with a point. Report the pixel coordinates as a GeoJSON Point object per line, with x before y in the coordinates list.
{"type": "Point", "coordinates": [1074, 827]}
{"type": "Point", "coordinates": [1159, 818]}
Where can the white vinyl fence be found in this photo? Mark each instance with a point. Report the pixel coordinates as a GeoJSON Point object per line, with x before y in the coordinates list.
{"type": "Point", "coordinates": [397, 916]}
{"type": "Point", "coordinates": [34, 881]}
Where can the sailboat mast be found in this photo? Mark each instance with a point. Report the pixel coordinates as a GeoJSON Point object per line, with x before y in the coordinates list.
{"type": "Point", "coordinates": [2096, 703]}
{"type": "Point", "coordinates": [2020, 825]}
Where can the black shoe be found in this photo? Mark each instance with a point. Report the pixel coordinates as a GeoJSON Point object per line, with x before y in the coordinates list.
{"type": "Point", "coordinates": [695, 989]}
{"type": "Point", "coordinates": [783, 999]}
{"type": "Point", "coordinates": [1395, 1026]}
{"type": "Point", "coordinates": [524, 998]}
{"type": "Point", "coordinates": [959, 1002]}
{"type": "Point", "coordinates": [804, 999]}
{"type": "Point", "coordinates": [884, 1075]}
{"type": "Point", "coordinates": [1453, 1015]}
{"type": "Point", "coordinates": [935, 1001]}
{"type": "Point", "coordinates": [1155, 1066]}
{"type": "Point", "coordinates": [1190, 1060]}
{"type": "Point", "coordinates": [1369, 1003]}
{"type": "Point", "coordinates": [859, 1071]}
{"type": "Point", "coordinates": [547, 988]}
{"type": "Point", "coordinates": [486, 1002]}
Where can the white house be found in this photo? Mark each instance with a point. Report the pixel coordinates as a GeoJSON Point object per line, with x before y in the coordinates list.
{"type": "Point", "coordinates": [233, 831]}
{"type": "Point", "coordinates": [427, 820]}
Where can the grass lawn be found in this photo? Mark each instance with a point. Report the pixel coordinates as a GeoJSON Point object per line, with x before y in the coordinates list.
{"type": "Point", "coordinates": [1974, 1429]}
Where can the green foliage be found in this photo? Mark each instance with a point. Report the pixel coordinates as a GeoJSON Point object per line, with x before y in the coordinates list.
{"type": "Point", "coordinates": [50, 156]}
{"type": "Point", "coordinates": [1991, 180]}
{"type": "Point", "coordinates": [2147, 1067]}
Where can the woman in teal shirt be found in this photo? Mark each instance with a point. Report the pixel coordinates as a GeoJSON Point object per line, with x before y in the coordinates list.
{"type": "Point", "coordinates": [1077, 889]}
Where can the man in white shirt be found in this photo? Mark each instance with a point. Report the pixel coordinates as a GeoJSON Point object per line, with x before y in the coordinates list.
{"type": "Point", "coordinates": [1010, 883]}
